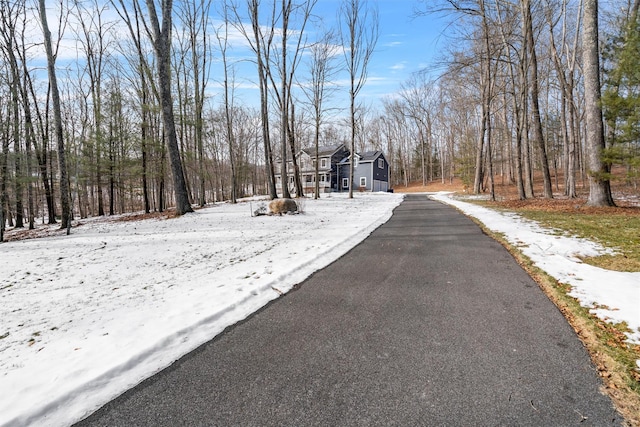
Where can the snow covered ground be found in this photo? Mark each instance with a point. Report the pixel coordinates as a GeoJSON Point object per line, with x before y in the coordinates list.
{"type": "Point", "coordinates": [87, 316]}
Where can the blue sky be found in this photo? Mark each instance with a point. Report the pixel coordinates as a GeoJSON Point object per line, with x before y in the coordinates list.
{"type": "Point", "coordinates": [406, 45]}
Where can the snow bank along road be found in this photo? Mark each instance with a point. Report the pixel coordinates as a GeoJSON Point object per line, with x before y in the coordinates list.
{"type": "Point", "coordinates": [85, 317]}
{"type": "Point", "coordinates": [426, 322]}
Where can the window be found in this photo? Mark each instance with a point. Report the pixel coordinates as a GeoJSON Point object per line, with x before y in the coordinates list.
{"type": "Point", "coordinates": [345, 182]}
{"type": "Point", "coordinates": [381, 163]}
{"type": "Point", "coordinates": [363, 181]}
{"type": "Point", "coordinates": [323, 163]}
{"type": "Point", "coordinates": [323, 178]}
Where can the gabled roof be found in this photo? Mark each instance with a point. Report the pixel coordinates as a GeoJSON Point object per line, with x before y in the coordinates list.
{"type": "Point", "coordinates": [364, 157]}
{"type": "Point", "coordinates": [324, 151]}
{"type": "Point", "coordinates": [369, 156]}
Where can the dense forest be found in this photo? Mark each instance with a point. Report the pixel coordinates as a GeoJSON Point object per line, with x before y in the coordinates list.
{"type": "Point", "coordinates": [136, 119]}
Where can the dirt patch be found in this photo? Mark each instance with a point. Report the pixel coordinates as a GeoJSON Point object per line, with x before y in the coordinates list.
{"type": "Point", "coordinates": [566, 205]}
{"type": "Point", "coordinates": [141, 216]}
{"type": "Point", "coordinates": [456, 185]}
{"type": "Point", "coordinates": [49, 230]}
{"type": "Point", "coordinates": [626, 197]}
{"type": "Point", "coordinates": [16, 234]}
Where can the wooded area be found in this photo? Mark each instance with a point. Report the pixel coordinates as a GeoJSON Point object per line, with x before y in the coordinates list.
{"type": "Point", "coordinates": [136, 119]}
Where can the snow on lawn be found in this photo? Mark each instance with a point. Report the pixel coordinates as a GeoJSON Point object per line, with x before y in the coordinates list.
{"type": "Point", "coordinates": [87, 316]}
{"type": "Point", "coordinates": [612, 296]}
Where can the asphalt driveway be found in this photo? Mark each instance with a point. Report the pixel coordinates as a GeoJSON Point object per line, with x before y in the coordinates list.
{"type": "Point", "coordinates": [428, 322]}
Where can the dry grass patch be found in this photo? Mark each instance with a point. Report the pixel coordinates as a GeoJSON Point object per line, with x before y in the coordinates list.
{"type": "Point", "coordinates": [616, 228]}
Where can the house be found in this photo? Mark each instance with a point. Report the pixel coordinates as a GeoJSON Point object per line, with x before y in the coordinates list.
{"type": "Point", "coordinates": [329, 157]}
{"type": "Point", "coordinates": [371, 172]}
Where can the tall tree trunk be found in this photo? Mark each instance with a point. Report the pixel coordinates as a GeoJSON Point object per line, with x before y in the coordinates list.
{"type": "Point", "coordinates": [42, 157]}
{"type": "Point", "coordinates": [112, 155]}
{"type": "Point", "coordinates": [535, 103]}
{"type": "Point", "coordinates": [14, 85]}
{"type": "Point", "coordinates": [598, 170]}
{"type": "Point", "coordinates": [144, 135]}
{"type": "Point", "coordinates": [55, 98]}
{"type": "Point", "coordinates": [524, 133]}
{"type": "Point", "coordinates": [480, 147]}
{"type": "Point", "coordinates": [4, 175]}
{"type": "Point", "coordinates": [29, 138]}
{"type": "Point", "coordinates": [228, 111]}
{"type": "Point", "coordinates": [17, 152]}
{"type": "Point", "coordinates": [566, 80]}
{"type": "Point", "coordinates": [485, 82]}
{"type": "Point", "coordinates": [98, 160]}
{"type": "Point", "coordinates": [162, 47]}
{"type": "Point", "coordinates": [197, 15]}
{"type": "Point", "coordinates": [230, 138]}
{"type": "Point", "coordinates": [292, 147]}
{"type": "Point", "coordinates": [284, 104]}
{"type": "Point", "coordinates": [316, 143]}
{"type": "Point", "coordinates": [517, 100]}
{"type": "Point", "coordinates": [361, 34]}
{"type": "Point", "coordinates": [266, 133]}
{"type": "Point", "coordinates": [492, 187]}
{"type": "Point", "coordinates": [261, 52]}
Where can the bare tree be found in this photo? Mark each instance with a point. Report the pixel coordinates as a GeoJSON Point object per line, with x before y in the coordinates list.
{"type": "Point", "coordinates": [535, 95]}
{"type": "Point", "coordinates": [147, 87]}
{"type": "Point", "coordinates": [93, 40]}
{"type": "Point", "coordinates": [195, 17]}
{"type": "Point", "coordinates": [359, 35]}
{"type": "Point", "coordinates": [4, 175]}
{"type": "Point", "coordinates": [283, 98]}
{"type": "Point", "coordinates": [223, 37]}
{"type": "Point", "coordinates": [260, 43]}
{"type": "Point", "coordinates": [598, 171]}
{"type": "Point", "coordinates": [55, 98]}
{"type": "Point", "coordinates": [9, 14]}
{"type": "Point", "coordinates": [322, 68]}
{"type": "Point", "coordinates": [514, 58]}
{"type": "Point", "coordinates": [160, 35]}
{"type": "Point", "coordinates": [418, 95]}
{"type": "Point", "coordinates": [287, 69]}
{"type": "Point", "coordinates": [485, 53]}
{"type": "Point", "coordinates": [567, 80]}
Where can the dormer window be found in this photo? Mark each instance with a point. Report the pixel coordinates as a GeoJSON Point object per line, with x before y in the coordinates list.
{"type": "Point", "coordinates": [323, 163]}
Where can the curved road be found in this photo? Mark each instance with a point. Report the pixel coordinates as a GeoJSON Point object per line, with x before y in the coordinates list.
{"type": "Point", "coordinates": [428, 322]}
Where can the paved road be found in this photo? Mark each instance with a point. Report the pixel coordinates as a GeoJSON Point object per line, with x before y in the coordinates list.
{"type": "Point", "coordinates": [428, 322]}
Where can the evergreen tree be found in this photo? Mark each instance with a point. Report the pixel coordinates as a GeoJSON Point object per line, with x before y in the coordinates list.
{"type": "Point", "coordinates": [621, 97]}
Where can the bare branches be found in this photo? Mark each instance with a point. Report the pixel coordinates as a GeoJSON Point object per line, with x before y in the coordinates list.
{"type": "Point", "coordinates": [359, 31]}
